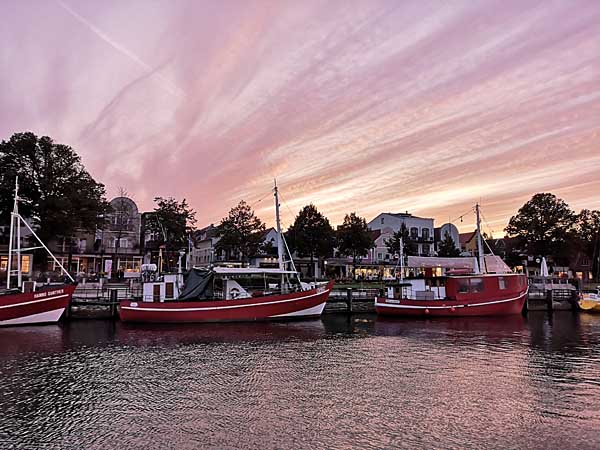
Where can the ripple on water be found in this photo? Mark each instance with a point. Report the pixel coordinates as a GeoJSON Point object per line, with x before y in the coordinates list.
{"type": "Point", "coordinates": [337, 383]}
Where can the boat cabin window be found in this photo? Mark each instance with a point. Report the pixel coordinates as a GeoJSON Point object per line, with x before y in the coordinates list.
{"type": "Point", "coordinates": [476, 285]}
{"type": "Point", "coordinates": [501, 282]}
{"type": "Point", "coordinates": [463, 286]}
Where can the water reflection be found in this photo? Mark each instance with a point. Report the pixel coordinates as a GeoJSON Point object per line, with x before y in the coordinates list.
{"type": "Point", "coordinates": [341, 382]}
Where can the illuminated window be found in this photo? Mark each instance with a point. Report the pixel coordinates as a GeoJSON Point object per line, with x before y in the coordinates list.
{"type": "Point", "coordinates": [25, 263]}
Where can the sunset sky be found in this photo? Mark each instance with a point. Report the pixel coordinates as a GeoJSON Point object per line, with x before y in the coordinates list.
{"type": "Point", "coordinates": [366, 106]}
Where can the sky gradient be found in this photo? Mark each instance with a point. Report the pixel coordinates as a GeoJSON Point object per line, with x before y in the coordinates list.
{"type": "Point", "coordinates": [366, 106]}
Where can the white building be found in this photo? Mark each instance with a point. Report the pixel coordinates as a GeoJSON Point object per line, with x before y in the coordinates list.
{"type": "Point", "coordinates": [420, 230]}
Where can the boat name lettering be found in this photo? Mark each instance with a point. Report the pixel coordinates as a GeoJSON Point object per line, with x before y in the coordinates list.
{"type": "Point", "coordinates": [47, 293]}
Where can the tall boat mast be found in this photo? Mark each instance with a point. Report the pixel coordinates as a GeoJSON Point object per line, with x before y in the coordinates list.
{"type": "Point", "coordinates": [480, 242]}
{"type": "Point", "coordinates": [279, 237]}
{"type": "Point", "coordinates": [15, 234]}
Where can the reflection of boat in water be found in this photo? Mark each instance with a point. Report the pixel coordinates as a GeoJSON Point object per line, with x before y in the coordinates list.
{"type": "Point", "coordinates": [32, 340]}
{"type": "Point", "coordinates": [29, 303]}
{"type": "Point", "coordinates": [590, 302]}
{"type": "Point", "coordinates": [489, 328]}
{"type": "Point", "coordinates": [189, 333]}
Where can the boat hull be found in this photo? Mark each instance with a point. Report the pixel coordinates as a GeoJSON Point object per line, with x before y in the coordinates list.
{"type": "Point", "coordinates": [43, 306]}
{"type": "Point", "coordinates": [590, 305]}
{"type": "Point", "coordinates": [297, 305]}
{"type": "Point", "coordinates": [451, 308]}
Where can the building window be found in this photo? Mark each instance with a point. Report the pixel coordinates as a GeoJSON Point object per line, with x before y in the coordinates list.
{"type": "Point", "coordinates": [382, 220]}
{"type": "Point", "coordinates": [414, 233]}
{"type": "Point", "coordinates": [124, 243]}
{"type": "Point", "coordinates": [426, 249]}
{"type": "Point", "coordinates": [585, 262]}
{"type": "Point", "coordinates": [425, 233]}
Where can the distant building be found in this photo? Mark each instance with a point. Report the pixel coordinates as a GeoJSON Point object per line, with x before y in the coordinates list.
{"type": "Point", "coordinates": [115, 245]}
{"type": "Point", "coordinates": [420, 230]}
{"type": "Point", "coordinates": [447, 229]}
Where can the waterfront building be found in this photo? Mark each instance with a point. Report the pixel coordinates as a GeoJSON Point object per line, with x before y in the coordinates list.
{"type": "Point", "coordinates": [113, 247]}
{"type": "Point", "coordinates": [420, 231]}
{"type": "Point", "coordinates": [446, 229]}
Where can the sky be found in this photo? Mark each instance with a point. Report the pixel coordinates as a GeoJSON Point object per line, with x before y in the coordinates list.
{"type": "Point", "coordinates": [366, 106]}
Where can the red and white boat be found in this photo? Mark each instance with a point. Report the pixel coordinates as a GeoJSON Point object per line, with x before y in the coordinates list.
{"type": "Point", "coordinates": [225, 294]}
{"type": "Point", "coordinates": [29, 303]}
{"type": "Point", "coordinates": [230, 302]}
{"type": "Point", "coordinates": [467, 290]}
{"type": "Point", "coordinates": [45, 304]}
{"type": "Point", "coordinates": [464, 295]}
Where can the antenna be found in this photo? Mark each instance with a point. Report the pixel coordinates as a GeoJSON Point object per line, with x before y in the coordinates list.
{"type": "Point", "coordinates": [479, 242]}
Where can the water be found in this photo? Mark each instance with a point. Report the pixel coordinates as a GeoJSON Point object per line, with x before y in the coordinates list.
{"type": "Point", "coordinates": [339, 383]}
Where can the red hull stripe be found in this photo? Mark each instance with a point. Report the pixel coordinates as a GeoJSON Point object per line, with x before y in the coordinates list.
{"type": "Point", "coordinates": [212, 308]}
{"type": "Point", "coordinates": [467, 305]}
{"type": "Point", "coordinates": [34, 301]}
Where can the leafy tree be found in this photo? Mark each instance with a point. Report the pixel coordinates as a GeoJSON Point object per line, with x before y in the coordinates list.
{"type": "Point", "coordinates": [447, 247]}
{"type": "Point", "coordinates": [172, 222]}
{"type": "Point", "coordinates": [588, 235]}
{"type": "Point", "coordinates": [241, 232]}
{"type": "Point", "coordinates": [543, 225]}
{"type": "Point", "coordinates": [311, 235]}
{"type": "Point", "coordinates": [408, 247]}
{"type": "Point", "coordinates": [354, 238]}
{"type": "Point", "coordinates": [57, 194]}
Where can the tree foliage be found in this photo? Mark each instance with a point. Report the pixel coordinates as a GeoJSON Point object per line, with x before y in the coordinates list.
{"type": "Point", "coordinates": [172, 222]}
{"type": "Point", "coordinates": [241, 233]}
{"type": "Point", "coordinates": [57, 194]}
{"type": "Point", "coordinates": [447, 247]}
{"type": "Point", "coordinates": [408, 247]}
{"type": "Point", "coordinates": [588, 235]}
{"type": "Point", "coordinates": [354, 238]}
{"type": "Point", "coordinates": [311, 235]}
{"type": "Point", "coordinates": [543, 225]}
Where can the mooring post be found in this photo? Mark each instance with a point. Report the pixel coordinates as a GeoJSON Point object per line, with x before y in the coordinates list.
{"type": "Point", "coordinates": [549, 300]}
{"type": "Point", "coordinates": [349, 299]}
{"type": "Point", "coordinates": [114, 299]}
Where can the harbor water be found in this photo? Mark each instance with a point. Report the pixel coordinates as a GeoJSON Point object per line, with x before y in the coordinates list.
{"type": "Point", "coordinates": [338, 383]}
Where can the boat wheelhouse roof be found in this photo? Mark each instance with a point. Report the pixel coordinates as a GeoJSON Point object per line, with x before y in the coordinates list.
{"type": "Point", "coordinates": [250, 271]}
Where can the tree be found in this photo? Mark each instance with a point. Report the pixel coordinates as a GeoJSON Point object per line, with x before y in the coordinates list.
{"type": "Point", "coordinates": [447, 247]}
{"type": "Point", "coordinates": [57, 194]}
{"type": "Point", "coordinates": [543, 225]}
{"type": "Point", "coordinates": [354, 238]}
{"type": "Point", "coordinates": [588, 235]}
{"type": "Point", "coordinates": [172, 222]}
{"type": "Point", "coordinates": [311, 235]}
{"type": "Point", "coordinates": [408, 247]}
{"type": "Point", "coordinates": [241, 232]}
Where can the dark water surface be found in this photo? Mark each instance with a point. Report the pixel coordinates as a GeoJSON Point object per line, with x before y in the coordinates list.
{"type": "Point", "coordinates": [335, 383]}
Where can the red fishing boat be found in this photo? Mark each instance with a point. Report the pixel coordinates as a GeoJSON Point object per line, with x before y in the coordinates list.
{"type": "Point", "coordinates": [45, 304]}
{"type": "Point", "coordinates": [468, 289]}
{"type": "Point", "coordinates": [29, 303]}
{"type": "Point", "coordinates": [465, 295]}
{"type": "Point", "coordinates": [231, 301]}
{"type": "Point", "coordinates": [225, 294]}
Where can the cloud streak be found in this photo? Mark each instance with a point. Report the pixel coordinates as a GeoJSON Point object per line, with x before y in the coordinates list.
{"type": "Point", "coordinates": [354, 106]}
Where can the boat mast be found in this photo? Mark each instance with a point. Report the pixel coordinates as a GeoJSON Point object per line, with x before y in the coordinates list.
{"type": "Point", "coordinates": [401, 259]}
{"type": "Point", "coordinates": [278, 221]}
{"type": "Point", "coordinates": [480, 242]}
{"type": "Point", "coordinates": [13, 216]}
